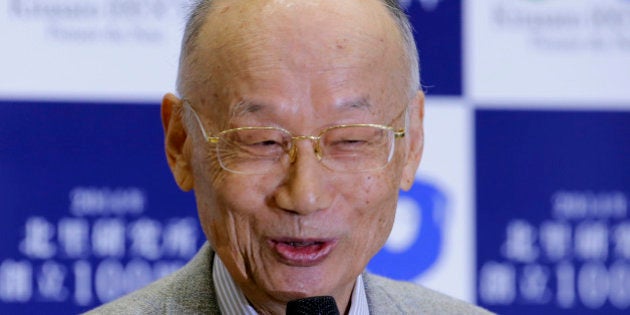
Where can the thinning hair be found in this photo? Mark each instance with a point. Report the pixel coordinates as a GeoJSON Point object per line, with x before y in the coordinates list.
{"type": "Point", "coordinates": [200, 10]}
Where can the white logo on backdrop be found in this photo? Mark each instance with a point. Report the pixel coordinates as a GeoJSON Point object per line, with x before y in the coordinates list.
{"type": "Point", "coordinates": [406, 226]}
{"type": "Point", "coordinates": [552, 27]}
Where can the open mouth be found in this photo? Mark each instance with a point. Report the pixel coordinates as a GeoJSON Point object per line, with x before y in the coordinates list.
{"type": "Point", "coordinates": [300, 252]}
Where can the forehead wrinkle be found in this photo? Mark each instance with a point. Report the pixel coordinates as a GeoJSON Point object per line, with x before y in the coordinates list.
{"type": "Point", "coordinates": [250, 28]}
{"type": "Point", "coordinates": [245, 107]}
{"type": "Point", "coordinates": [347, 42]}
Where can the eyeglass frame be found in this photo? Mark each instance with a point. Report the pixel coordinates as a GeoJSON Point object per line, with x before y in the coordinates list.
{"type": "Point", "coordinates": [398, 133]}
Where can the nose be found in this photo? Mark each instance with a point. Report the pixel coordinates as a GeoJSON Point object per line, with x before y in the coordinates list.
{"type": "Point", "coordinates": [305, 188]}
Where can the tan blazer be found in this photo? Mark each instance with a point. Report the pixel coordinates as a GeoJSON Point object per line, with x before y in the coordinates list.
{"type": "Point", "coordinates": [190, 291]}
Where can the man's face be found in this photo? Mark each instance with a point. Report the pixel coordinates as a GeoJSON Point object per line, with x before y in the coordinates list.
{"type": "Point", "coordinates": [302, 66]}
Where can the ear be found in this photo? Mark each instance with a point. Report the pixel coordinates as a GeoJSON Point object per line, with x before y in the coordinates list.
{"type": "Point", "coordinates": [415, 141]}
{"type": "Point", "coordinates": [177, 142]}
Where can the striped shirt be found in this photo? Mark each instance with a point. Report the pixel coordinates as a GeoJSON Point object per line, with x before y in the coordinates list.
{"type": "Point", "coordinates": [233, 302]}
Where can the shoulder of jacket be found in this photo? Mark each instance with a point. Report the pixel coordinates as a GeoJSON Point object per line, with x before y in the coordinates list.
{"type": "Point", "coordinates": [189, 290]}
{"type": "Point", "coordinates": [387, 296]}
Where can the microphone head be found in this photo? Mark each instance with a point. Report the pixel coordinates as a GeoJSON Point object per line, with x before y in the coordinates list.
{"type": "Point", "coordinates": [317, 305]}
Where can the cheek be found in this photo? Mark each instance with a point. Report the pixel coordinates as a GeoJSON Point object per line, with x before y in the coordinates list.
{"type": "Point", "coordinates": [378, 190]}
{"type": "Point", "coordinates": [219, 223]}
{"type": "Point", "coordinates": [231, 210]}
{"type": "Point", "coordinates": [224, 218]}
{"type": "Point", "coordinates": [374, 216]}
{"type": "Point", "coordinates": [230, 228]}
{"type": "Point", "coordinates": [381, 221]}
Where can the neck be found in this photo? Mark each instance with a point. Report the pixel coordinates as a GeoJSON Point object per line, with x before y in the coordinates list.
{"type": "Point", "coordinates": [271, 306]}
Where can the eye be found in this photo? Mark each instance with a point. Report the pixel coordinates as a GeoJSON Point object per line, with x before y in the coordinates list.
{"type": "Point", "coordinates": [347, 139]}
{"type": "Point", "coordinates": [265, 143]}
{"type": "Point", "coordinates": [252, 138]}
{"type": "Point", "coordinates": [259, 142]}
{"type": "Point", "coordinates": [351, 142]}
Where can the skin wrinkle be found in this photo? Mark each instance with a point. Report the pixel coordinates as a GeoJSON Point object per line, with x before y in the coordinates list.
{"type": "Point", "coordinates": [247, 113]}
{"type": "Point", "coordinates": [210, 159]}
{"type": "Point", "coordinates": [302, 83]}
{"type": "Point", "coordinates": [234, 238]}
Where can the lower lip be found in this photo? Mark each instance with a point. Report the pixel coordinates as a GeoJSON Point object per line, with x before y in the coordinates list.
{"type": "Point", "coordinates": [303, 253]}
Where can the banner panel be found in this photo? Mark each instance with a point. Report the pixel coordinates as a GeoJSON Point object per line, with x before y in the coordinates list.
{"type": "Point", "coordinates": [553, 229]}
{"type": "Point", "coordinates": [90, 210]}
{"type": "Point", "coordinates": [98, 49]}
{"type": "Point", "coordinates": [548, 53]}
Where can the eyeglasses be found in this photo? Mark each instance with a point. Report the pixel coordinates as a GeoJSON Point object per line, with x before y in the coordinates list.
{"type": "Point", "coordinates": [342, 148]}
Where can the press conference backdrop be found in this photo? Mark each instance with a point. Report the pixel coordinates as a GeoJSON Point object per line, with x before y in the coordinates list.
{"type": "Point", "coordinates": [520, 204]}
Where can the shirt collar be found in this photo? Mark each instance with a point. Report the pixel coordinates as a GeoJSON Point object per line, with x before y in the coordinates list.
{"type": "Point", "coordinates": [232, 301]}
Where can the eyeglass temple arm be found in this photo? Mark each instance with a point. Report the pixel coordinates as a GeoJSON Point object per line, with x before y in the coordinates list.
{"type": "Point", "coordinates": [203, 130]}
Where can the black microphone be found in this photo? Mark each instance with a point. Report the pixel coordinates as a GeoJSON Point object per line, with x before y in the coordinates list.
{"type": "Point", "coordinates": [317, 305]}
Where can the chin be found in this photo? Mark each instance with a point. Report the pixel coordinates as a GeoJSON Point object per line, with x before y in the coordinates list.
{"type": "Point", "coordinates": [301, 284]}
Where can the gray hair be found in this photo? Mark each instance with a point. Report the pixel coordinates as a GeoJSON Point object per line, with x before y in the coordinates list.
{"type": "Point", "coordinates": [201, 9]}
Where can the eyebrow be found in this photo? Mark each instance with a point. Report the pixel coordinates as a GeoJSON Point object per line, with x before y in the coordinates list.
{"type": "Point", "coordinates": [244, 107]}
{"type": "Point", "coordinates": [360, 103]}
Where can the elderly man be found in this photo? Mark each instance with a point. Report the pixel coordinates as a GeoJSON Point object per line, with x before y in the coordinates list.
{"type": "Point", "coordinates": [296, 124]}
